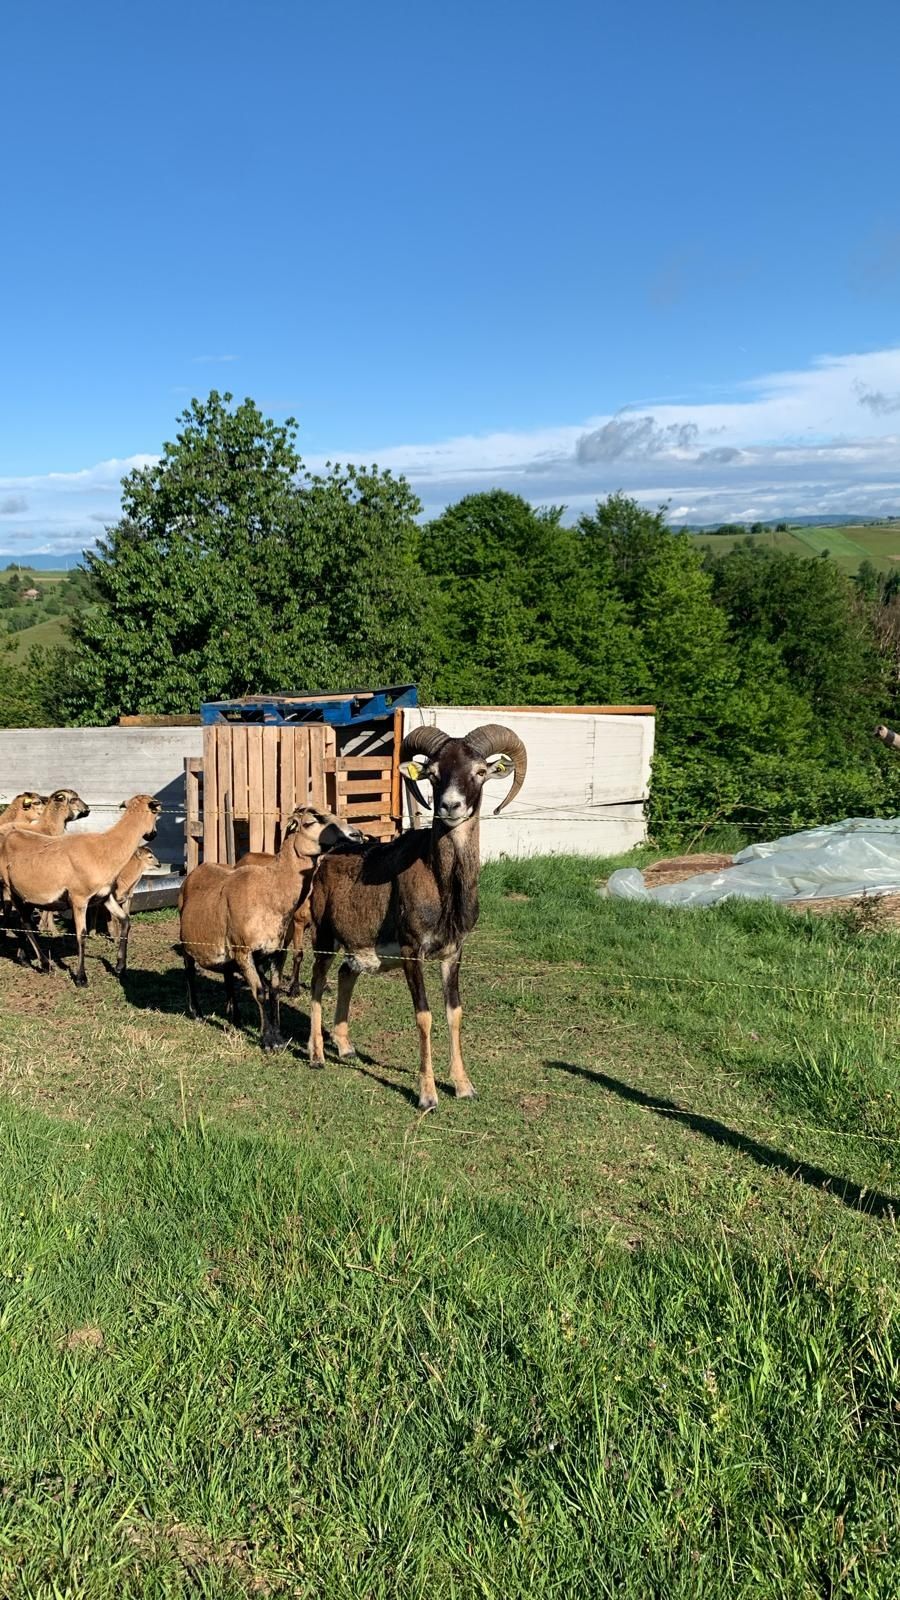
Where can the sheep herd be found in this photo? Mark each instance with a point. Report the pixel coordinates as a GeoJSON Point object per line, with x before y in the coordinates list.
{"type": "Point", "coordinates": [381, 905]}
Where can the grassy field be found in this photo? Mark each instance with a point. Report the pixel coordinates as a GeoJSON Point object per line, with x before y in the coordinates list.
{"type": "Point", "coordinates": [47, 633]}
{"type": "Point", "coordinates": [848, 547]}
{"type": "Point", "coordinates": [624, 1326]}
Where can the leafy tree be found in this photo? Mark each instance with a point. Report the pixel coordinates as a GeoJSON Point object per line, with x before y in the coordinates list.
{"type": "Point", "coordinates": [522, 617]}
{"type": "Point", "coordinates": [233, 570]}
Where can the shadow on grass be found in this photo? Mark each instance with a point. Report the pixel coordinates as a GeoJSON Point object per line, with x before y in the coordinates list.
{"type": "Point", "coordinates": [870, 1201]}
{"type": "Point", "coordinates": [403, 1089]}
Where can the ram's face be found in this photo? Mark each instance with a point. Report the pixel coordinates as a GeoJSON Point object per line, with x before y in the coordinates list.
{"type": "Point", "coordinates": [457, 775]}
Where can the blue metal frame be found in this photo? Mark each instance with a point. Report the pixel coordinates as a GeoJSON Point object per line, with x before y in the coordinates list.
{"type": "Point", "coordinates": [286, 710]}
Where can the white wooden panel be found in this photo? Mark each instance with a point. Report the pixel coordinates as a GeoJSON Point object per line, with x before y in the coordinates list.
{"type": "Point", "coordinates": [588, 777]}
{"type": "Point", "coordinates": [105, 766]}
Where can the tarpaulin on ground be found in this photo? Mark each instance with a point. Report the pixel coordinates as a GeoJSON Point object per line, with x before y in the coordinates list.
{"type": "Point", "coordinates": [860, 855]}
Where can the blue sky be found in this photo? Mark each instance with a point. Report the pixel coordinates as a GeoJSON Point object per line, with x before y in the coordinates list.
{"type": "Point", "coordinates": [566, 248]}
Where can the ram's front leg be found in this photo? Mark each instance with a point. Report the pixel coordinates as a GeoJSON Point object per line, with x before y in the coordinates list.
{"type": "Point", "coordinates": [450, 979]}
{"type": "Point", "coordinates": [415, 977]}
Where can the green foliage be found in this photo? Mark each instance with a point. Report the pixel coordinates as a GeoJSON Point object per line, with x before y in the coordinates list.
{"type": "Point", "coordinates": [522, 618]}
{"type": "Point", "coordinates": [234, 571]}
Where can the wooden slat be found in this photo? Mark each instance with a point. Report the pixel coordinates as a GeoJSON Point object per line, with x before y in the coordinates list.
{"type": "Point", "coordinates": [317, 766]}
{"type": "Point", "coordinates": [365, 808]}
{"type": "Point", "coordinates": [223, 773]}
{"type": "Point", "coordinates": [301, 766]}
{"type": "Point", "coordinates": [396, 785]}
{"type": "Point", "coordinates": [379, 828]}
{"type": "Point", "coordinates": [329, 752]}
{"type": "Point", "coordinates": [239, 800]}
{"type": "Point", "coordinates": [154, 721]}
{"type": "Point", "coordinates": [286, 801]}
{"type": "Point", "coordinates": [574, 711]}
{"type": "Point", "coordinates": [193, 767]}
{"type": "Point", "coordinates": [255, 785]}
{"type": "Point", "coordinates": [271, 752]}
{"type": "Point", "coordinates": [358, 764]}
{"type": "Point", "coordinates": [373, 786]}
{"type": "Point", "coordinates": [229, 829]}
{"type": "Point", "coordinates": [210, 797]}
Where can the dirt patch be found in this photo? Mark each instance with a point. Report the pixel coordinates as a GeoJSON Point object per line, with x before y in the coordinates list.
{"type": "Point", "coordinates": [675, 869]}
{"type": "Point", "coordinates": [88, 1338]}
{"type": "Point", "coordinates": [520, 899]}
{"type": "Point", "coordinates": [196, 1550]}
{"type": "Point", "coordinates": [533, 1106]}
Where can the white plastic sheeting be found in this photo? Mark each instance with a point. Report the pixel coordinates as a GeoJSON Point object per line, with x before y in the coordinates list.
{"type": "Point", "coordinates": [858, 856]}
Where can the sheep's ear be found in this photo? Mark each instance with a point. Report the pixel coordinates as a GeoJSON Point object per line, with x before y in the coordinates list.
{"type": "Point", "coordinates": [414, 769]}
{"type": "Point", "coordinates": [155, 806]}
{"type": "Point", "coordinates": [499, 766]}
{"type": "Point", "coordinates": [292, 826]}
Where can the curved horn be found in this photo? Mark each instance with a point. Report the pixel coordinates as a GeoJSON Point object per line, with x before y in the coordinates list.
{"type": "Point", "coordinates": [493, 739]}
{"type": "Point", "coordinates": [422, 742]}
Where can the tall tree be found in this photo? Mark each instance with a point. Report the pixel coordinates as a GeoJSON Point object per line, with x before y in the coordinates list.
{"type": "Point", "coordinates": [522, 617]}
{"type": "Point", "coordinates": [233, 570]}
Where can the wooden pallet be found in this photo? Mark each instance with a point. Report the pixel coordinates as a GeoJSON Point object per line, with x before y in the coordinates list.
{"type": "Point", "coordinates": [241, 794]}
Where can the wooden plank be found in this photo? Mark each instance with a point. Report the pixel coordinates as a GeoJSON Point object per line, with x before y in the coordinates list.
{"type": "Point", "coordinates": [271, 750]}
{"type": "Point", "coordinates": [301, 766]}
{"type": "Point", "coordinates": [210, 796]}
{"type": "Point", "coordinates": [373, 786]}
{"type": "Point", "coordinates": [364, 808]}
{"type": "Point", "coordinates": [255, 786]}
{"type": "Point", "coordinates": [358, 764]}
{"type": "Point", "coordinates": [329, 753]}
{"type": "Point", "coordinates": [396, 785]}
{"type": "Point", "coordinates": [223, 773]}
{"type": "Point", "coordinates": [286, 781]}
{"type": "Point", "coordinates": [317, 765]}
{"type": "Point", "coordinates": [570, 711]}
{"type": "Point", "coordinates": [193, 766]}
{"type": "Point", "coordinates": [153, 721]}
{"type": "Point", "coordinates": [239, 799]}
{"type": "Point", "coordinates": [229, 829]}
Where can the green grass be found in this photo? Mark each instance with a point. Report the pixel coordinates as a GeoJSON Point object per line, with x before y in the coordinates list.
{"type": "Point", "coordinates": [626, 1325]}
{"type": "Point", "coordinates": [47, 633]}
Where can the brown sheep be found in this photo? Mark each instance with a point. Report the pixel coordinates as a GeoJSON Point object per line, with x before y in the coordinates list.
{"type": "Point", "coordinates": [74, 870]}
{"type": "Point", "coordinates": [237, 919]}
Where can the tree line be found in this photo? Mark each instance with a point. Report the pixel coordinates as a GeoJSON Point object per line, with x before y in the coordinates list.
{"type": "Point", "coordinates": [233, 570]}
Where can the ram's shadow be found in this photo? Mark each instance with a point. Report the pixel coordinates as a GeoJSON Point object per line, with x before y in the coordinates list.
{"type": "Point", "coordinates": [870, 1201]}
{"type": "Point", "coordinates": [364, 1065]}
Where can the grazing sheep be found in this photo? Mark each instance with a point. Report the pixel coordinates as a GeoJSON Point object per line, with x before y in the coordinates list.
{"type": "Point", "coordinates": [236, 919]}
{"type": "Point", "coordinates": [74, 870]}
{"type": "Point", "coordinates": [416, 897]}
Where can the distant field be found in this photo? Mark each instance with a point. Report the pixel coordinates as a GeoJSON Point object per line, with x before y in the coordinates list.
{"type": "Point", "coordinates": [45, 633]}
{"type": "Point", "coordinates": [721, 544]}
{"type": "Point", "coordinates": [848, 547]}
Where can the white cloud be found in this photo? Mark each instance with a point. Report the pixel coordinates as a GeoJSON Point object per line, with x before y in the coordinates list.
{"type": "Point", "coordinates": [824, 440]}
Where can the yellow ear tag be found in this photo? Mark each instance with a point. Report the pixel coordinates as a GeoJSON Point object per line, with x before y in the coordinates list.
{"type": "Point", "coordinates": [503, 766]}
{"type": "Point", "coordinates": [412, 770]}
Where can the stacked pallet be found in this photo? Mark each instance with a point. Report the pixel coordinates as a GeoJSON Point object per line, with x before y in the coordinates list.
{"type": "Point", "coordinates": [241, 794]}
